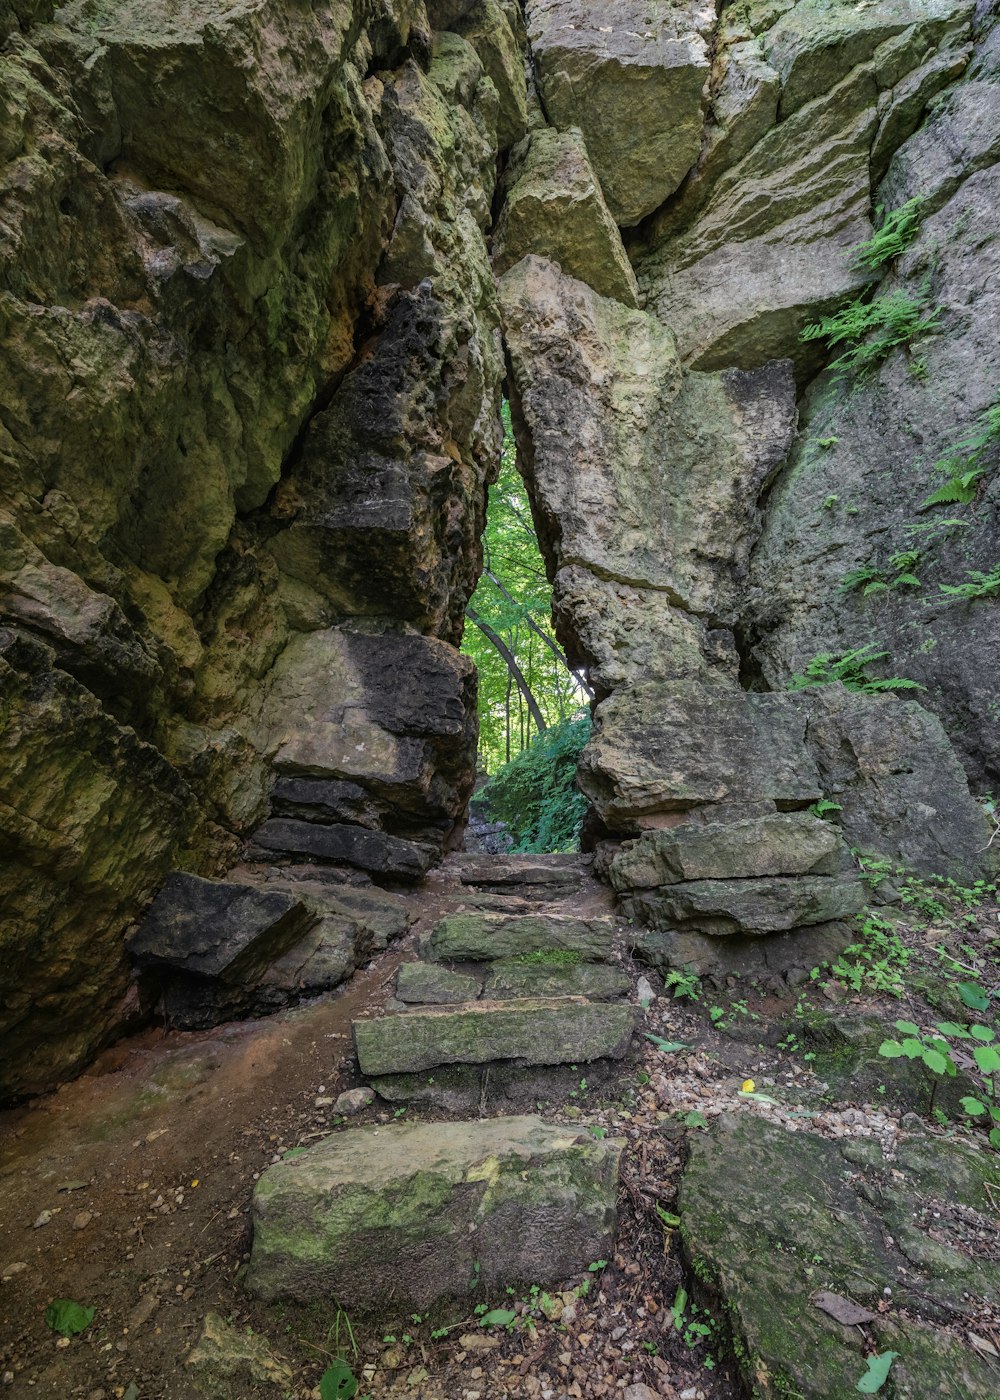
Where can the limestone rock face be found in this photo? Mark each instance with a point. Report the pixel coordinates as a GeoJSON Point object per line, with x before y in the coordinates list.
{"type": "Point", "coordinates": [809, 103]}
{"type": "Point", "coordinates": [244, 287]}
{"type": "Point", "coordinates": [408, 1216]}
{"type": "Point", "coordinates": [783, 844]}
{"type": "Point", "coordinates": [857, 500]}
{"type": "Point", "coordinates": [555, 208]}
{"type": "Point", "coordinates": [632, 84]}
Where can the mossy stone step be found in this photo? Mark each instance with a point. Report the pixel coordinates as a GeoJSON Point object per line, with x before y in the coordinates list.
{"type": "Point", "coordinates": [597, 981]}
{"type": "Point", "coordinates": [432, 985]}
{"type": "Point", "coordinates": [537, 1031]}
{"type": "Point", "coordinates": [477, 937]}
{"type": "Point", "coordinates": [396, 1219]}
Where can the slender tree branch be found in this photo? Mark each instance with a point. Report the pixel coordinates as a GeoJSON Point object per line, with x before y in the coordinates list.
{"type": "Point", "coordinates": [513, 668]}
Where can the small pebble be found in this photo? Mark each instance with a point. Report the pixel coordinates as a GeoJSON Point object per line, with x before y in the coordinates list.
{"type": "Point", "coordinates": [43, 1219]}
{"type": "Point", "coordinates": [82, 1219]}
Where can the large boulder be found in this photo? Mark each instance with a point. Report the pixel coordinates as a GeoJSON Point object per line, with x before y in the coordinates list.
{"type": "Point", "coordinates": [395, 1220]}
{"type": "Point", "coordinates": [634, 87]}
{"type": "Point", "coordinates": [214, 928]}
{"type": "Point", "coordinates": [787, 1231]}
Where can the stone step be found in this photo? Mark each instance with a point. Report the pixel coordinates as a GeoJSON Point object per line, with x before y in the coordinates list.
{"type": "Point", "coordinates": [542, 877]}
{"type": "Point", "coordinates": [431, 984]}
{"type": "Point", "coordinates": [538, 1031]}
{"type": "Point", "coordinates": [484, 937]}
{"type": "Point", "coordinates": [596, 981]}
{"type": "Point", "coordinates": [395, 1219]}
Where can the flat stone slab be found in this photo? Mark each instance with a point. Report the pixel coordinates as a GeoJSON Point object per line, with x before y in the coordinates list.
{"type": "Point", "coordinates": [398, 1218]}
{"type": "Point", "coordinates": [537, 1032]}
{"type": "Point", "coordinates": [597, 981]}
{"type": "Point", "coordinates": [479, 937]}
{"type": "Point", "coordinates": [215, 928]}
{"type": "Point", "coordinates": [787, 843]}
{"type": "Point", "coordinates": [431, 984]}
{"type": "Point", "coordinates": [774, 1222]}
{"type": "Point", "coordinates": [750, 907]}
{"type": "Point", "coordinates": [510, 872]}
{"type": "Point", "coordinates": [343, 844]}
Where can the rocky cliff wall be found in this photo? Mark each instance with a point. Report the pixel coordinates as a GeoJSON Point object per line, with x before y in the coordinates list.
{"type": "Point", "coordinates": [252, 363]}
{"type": "Point", "coordinates": [251, 376]}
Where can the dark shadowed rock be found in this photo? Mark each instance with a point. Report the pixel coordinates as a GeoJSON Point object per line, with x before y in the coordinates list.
{"type": "Point", "coordinates": [797, 951]}
{"type": "Point", "coordinates": [215, 929]}
{"type": "Point", "coordinates": [348, 845]}
{"type": "Point", "coordinates": [501, 1201]}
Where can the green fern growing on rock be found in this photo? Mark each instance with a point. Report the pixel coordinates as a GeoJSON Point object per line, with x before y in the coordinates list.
{"type": "Point", "coordinates": [978, 585]}
{"type": "Point", "coordinates": [968, 461]}
{"type": "Point", "coordinates": [898, 230]}
{"type": "Point", "coordinates": [849, 668]}
{"type": "Point", "coordinates": [870, 330]}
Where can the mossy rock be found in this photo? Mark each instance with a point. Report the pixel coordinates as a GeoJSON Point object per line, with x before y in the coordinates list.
{"type": "Point", "coordinates": [770, 1218]}
{"type": "Point", "coordinates": [400, 1218]}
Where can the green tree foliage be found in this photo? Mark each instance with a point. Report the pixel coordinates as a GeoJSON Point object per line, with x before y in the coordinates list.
{"type": "Point", "coordinates": [525, 684]}
{"type": "Point", "coordinates": [535, 794]}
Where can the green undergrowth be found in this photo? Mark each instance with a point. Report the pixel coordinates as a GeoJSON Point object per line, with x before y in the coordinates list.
{"type": "Point", "coordinates": [536, 794]}
{"type": "Point", "coordinates": [548, 957]}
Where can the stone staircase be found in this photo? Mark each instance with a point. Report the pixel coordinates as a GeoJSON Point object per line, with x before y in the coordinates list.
{"type": "Point", "coordinates": [510, 992]}
{"type": "Point", "coordinates": [514, 997]}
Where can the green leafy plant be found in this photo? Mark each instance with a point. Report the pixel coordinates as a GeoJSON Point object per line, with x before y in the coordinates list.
{"type": "Point", "coordinates": [979, 584]}
{"type": "Point", "coordinates": [667, 1047]}
{"type": "Point", "coordinates": [869, 330]}
{"type": "Point", "coordinates": [937, 1053]}
{"type": "Point", "coordinates": [874, 580]}
{"type": "Point", "coordinates": [498, 1317]}
{"type": "Point", "coordinates": [898, 229]}
{"type": "Point", "coordinates": [967, 461]}
{"type": "Point", "coordinates": [850, 668]}
{"type": "Point", "coordinates": [535, 794]}
{"type": "Point", "coordinates": [877, 1373]}
{"type": "Point", "coordinates": [824, 808]}
{"type": "Point", "coordinates": [877, 962]}
{"type": "Point", "coordinates": [685, 984]}
{"type": "Point", "coordinates": [68, 1318]}
{"type": "Point", "coordinates": [338, 1381]}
